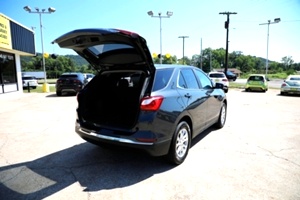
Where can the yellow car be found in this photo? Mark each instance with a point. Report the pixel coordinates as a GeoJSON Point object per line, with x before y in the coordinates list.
{"type": "Point", "coordinates": [257, 82]}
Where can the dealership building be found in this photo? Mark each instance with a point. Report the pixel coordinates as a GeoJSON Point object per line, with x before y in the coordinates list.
{"type": "Point", "coordinates": [16, 40]}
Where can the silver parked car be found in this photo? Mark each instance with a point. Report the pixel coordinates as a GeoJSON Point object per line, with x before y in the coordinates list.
{"type": "Point", "coordinates": [291, 85]}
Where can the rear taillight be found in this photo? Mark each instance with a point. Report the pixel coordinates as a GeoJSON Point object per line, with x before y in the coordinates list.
{"type": "Point", "coordinates": [225, 80]}
{"type": "Point", "coordinates": [283, 85]}
{"type": "Point", "coordinates": [58, 81]}
{"type": "Point", "coordinates": [151, 103]}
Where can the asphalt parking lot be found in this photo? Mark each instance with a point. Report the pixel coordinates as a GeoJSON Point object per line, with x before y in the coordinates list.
{"type": "Point", "coordinates": [255, 156]}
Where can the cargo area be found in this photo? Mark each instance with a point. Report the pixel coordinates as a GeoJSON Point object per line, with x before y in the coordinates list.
{"type": "Point", "coordinates": [112, 99]}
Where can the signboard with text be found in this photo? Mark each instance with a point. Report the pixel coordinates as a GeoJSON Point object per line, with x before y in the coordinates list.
{"type": "Point", "coordinates": [5, 36]}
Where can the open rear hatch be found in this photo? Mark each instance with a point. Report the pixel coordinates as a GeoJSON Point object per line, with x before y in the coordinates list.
{"type": "Point", "coordinates": [125, 74]}
{"type": "Point", "coordinates": [106, 49]}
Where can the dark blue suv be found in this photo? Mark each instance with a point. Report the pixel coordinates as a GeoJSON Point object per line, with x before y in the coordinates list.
{"type": "Point", "coordinates": [132, 102]}
{"type": "Point", "coordinates": [71, 82]}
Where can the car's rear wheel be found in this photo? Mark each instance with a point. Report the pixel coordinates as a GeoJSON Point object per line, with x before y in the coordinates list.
{"type": "Point", "coordinates": [222, 116]}
{"type": "Point", "coordinates": [181, 143]}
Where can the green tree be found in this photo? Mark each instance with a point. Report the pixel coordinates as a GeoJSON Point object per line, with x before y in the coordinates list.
{"type": "Point", "coordinates": [287, 61]}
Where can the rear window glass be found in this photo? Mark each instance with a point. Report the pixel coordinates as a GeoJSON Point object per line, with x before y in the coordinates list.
{"type": "Point", "coordinates": [69, 76]}
{"type": "Point", "coordinates": [102, 48]}
{"type": "Point", "coordinates": [256, 78]}
{"type": "Point", "coordinates": [28, 78]}
{"type": "Point", "coordinates": [215, 75]}
{"type": "Point", "coordinates": [162, 78]}
{"type": "Point", "coordinates": [295, 79]}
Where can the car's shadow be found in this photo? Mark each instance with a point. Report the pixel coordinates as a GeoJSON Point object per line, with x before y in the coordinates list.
{"type": "Point", "coordinates": [202, 135]}
{"type": "Point", "coordinates": [288, 95]}
{"type": "Point", "coordinates": [94, 167]}
{"type": "Point", "coordinates": [64, 95]}
{"type": "Point", "coordinates": [253, 91]}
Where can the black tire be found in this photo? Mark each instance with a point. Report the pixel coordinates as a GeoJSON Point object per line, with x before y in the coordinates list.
{"type": "Point", "coordinates": [226, 90]}
{"type": "Point", "coordinates": [222, 116]}
{"type": "Point", "coordinates": [181, 143]}
{"type": "Point", "coordinates": [282, 93]}
{"type": "Point", "coordinates": [58, 93]}
{"type": "Point", "coordinates": [33, 87]}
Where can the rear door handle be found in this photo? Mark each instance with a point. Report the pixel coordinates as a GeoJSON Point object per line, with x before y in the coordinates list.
{"type": "Point", "coordinates": [187, 95]}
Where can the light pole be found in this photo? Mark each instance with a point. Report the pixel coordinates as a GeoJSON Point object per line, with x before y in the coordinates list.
{"type": "Point", "coordinates": [276, 20]}
{"type": "Point", "coordinates": [169, 14]}
{"type": "Point", "coordinates": [183, 37]}
{"type": "Point", "coordinates": [40, 12]}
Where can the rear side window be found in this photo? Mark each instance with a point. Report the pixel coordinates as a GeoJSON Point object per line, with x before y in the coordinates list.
{"type": "Point", "coordinates": [162, 78]}
{"type": "Point", "coordinates": [216, 75]}
{"type": "Point", "coordinates": [204, 80]}
{"type": "Point", "coordinates": [187, 79]}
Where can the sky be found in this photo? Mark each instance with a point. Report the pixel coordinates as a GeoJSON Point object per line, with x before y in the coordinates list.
{"type": "Point", "coordinates": [198, 19]}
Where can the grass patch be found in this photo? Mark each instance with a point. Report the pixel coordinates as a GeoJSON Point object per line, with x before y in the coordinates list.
{"type": "Point", "coordinates": [236, 85]}
{"type": "Point", "coordinates": [50, 81]}
{"type": "Point", "coordinates": [39, 89]}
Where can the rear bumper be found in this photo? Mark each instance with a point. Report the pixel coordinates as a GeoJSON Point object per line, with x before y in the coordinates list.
{"type": "Point", "coordinates": [152, 148]}
{"type": "Point", "coordinates": [256, 87]}
{"type": "Point", "coordinates": [290, 90]}
{"type": "Point", "coordinates": [72, 88]}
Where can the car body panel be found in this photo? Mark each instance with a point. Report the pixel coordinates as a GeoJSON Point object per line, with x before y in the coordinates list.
{"type": "Point", "coordinates": [219, 77]}
{"type": "Point", "coordinates": [30, 81]}
{"type": "Point", "coordinates": [257, 82]}
{"type": "Point", "coordinates": [201, 106]}
{"type": "Point", "coordinates": [230, 75]}
{"type": "Point", "coordinates": [70, 82]}
{"type": "Point", "coordinates": [112, 106]}
{"type": "Point", "coordinates": [291, 85]}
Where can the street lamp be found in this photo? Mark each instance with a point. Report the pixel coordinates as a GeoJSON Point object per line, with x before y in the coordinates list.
{"type": "Point", "coordinates": [276, 20]}
{"type": "Point", "coordinates": [40, 12]}
{"type": "Point", "coordinates": [183, 37]}
{"type": "Point", "coordinates": [169, 14]}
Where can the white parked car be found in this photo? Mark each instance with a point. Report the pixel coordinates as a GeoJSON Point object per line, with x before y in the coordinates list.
{"type": "Point", "coordinates": [30, 81]}
{"type": "Point", "coordinates": [291, 85]}
{"type": "Point", "coordinates": [219, 77]}
{"type": "Point", "coordinates": [88, 76]}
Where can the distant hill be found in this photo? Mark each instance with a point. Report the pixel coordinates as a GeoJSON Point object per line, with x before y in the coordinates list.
{"type": "Point", "coordinates": [77, 59]}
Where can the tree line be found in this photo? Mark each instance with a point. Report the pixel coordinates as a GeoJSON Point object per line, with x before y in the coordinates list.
{"type": "Point", "coordinates": [209, 60]}
{"type": "Point", "coordinates": [247, 64]}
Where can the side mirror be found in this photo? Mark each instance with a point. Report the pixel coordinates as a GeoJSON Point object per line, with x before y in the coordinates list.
{"type": "Point", "coordinates": [219, 86]}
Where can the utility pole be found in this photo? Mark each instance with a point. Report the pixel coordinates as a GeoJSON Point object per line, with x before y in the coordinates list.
{"type": "Point", "coordinates": [201, 54]}
{"type": "Point", "coordinates": [183, 37]}
{"type": "Point", "coordinates": [227, 27]}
